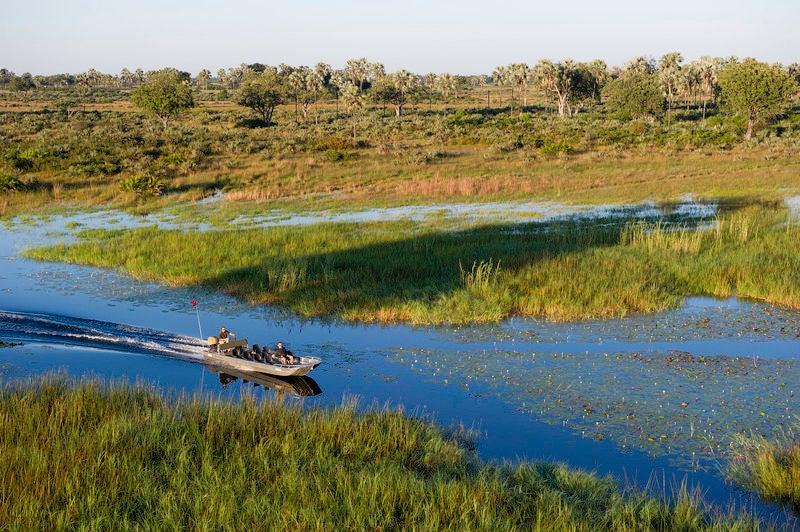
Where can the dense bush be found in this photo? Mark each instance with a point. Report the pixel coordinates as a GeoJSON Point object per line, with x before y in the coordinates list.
{"type": "Point", "coordinates": [142, 185]}
{"type": "Point", "coordinates": [10, 183]}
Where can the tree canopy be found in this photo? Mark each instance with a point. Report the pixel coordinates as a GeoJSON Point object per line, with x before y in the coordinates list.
{"type": "Point", "coordinates": [756, 90]}
{"type": "Point", "coordinates": [165, 94]}
{"type": "Point", "coordinates": [636, 94]}
{"type": "Point", "coordinates": [262, 92]}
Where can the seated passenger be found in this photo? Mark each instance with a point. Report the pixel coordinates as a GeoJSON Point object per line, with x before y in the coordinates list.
{"type": "Point", "coordinates": [284, 355]}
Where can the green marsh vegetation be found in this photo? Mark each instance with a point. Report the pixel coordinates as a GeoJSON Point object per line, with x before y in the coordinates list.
{"type": "Point", "coordinates": [769, 466]}
{"type": "Point", "coordinates": [92, 455]}
{"type": "Point", "coordinates": [416, 272]}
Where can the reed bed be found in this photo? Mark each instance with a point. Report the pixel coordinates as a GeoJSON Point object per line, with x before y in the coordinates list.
{"type": "Point", "coordinates": [414, 272]}
{"type": "Point", "coordinates": [769, 467]}
{"type": "Point", "coordinates": [92, 455]}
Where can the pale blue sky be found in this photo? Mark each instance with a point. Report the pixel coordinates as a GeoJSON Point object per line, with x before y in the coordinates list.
{"type": "Point", "coordinates": [459, 36]}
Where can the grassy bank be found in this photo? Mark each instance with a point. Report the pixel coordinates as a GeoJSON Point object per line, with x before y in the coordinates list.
{"type": "Point", "coordinates": [769, 467]}
{"type": "Point", "coordinates": [413, 272]}
{"type": "Point", "coordinates": [94, 456]}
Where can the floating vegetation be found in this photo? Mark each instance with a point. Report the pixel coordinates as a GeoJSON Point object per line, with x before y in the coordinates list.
{"type": "Point", "coordinates": [8, 344]}
{"type": "Point", "coordinates": [685, 384]}
{"type": "Point", "coordinates": [666, 403]}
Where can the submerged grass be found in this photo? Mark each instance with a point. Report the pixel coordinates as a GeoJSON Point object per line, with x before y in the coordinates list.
{"type": "Point", "coordinates": [410, 271]}
{"type": "Point", "coordinates": [91, 455]}
{"type": "Point", "coordinates": [769, 467]}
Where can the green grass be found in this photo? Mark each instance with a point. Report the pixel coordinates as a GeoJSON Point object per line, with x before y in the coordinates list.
{"type": "Point", "coordinates": [413, 272]}
{"type": "Point", "coordinates": [94, 456]}
{"type": "Point", "coordinates": [769, 467]}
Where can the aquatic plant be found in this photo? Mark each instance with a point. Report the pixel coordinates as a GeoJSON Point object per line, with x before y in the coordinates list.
{"type": "Point", "coordinates": [768, 465]}
{"type": "Point", "coordinates": [93, 455]}
{"type": "Point", "coordinates": [567, 269]}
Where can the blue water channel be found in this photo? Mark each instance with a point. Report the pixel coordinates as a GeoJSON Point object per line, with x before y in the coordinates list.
{"type": "Point", "coordinates": [652, 400]}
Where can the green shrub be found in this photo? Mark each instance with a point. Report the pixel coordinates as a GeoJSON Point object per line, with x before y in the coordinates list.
{"type": "Point", "coordinates": [142, 185]}
{"type": "Point", "coordinates": [10, 183]}
{"type": "Point", "coordinates": [337, 156]}
{"type": "Point", "coordinates": [556, 148]}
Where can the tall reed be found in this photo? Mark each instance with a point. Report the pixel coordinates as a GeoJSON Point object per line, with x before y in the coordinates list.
{"type": "Point", "coordinates": [769, 467]}
{"type": "Point", "coordinates": [93, 455]}
{"type": "Point", "coordinates": [409, 271]}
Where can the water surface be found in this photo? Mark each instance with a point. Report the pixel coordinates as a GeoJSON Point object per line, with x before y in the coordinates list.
{"type": "Point", "coordinates": [649, 399]}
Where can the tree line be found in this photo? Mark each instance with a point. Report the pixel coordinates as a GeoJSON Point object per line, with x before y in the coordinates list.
{"type": "Point", "coordinates": [644, 88]}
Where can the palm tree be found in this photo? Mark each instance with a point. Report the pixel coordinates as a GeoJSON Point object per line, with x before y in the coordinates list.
{"type": "Point", "coordinates": [324, 71]}
{"type": "Point", "coordinates": [556, 78]}
{"type": "Point", "coordinates": [358, 71]}
{"type": "Point", "coordinates": [202, 77]}
{"type": "Point", "coordinates": [500, 77]}
{"type": "Point", "coordinates": [689, 82]}
{"type": "Point", "coordinates": [708, 78]}
{"type": "Point", "coordinates": [354, 102]}
{"type": "Point", "coordinates": [315, 82]}
{"type": "Point", "coordinates": [519, 74]}
{"type": "Point", "coordinates": [5, 76]}
{"type": "Point", "coordinates": [338, 81]}
{"type": "Point", "coordinates": [639, 65]}
{"type": "Point", "coordinates": [126, 76]}
{"type": "Point", "coordinates": [297, 82]}
{"type": "Point", "coordinates": [445, 83]}
{"type": "Point", "coordinates": [600, 75]}
{"type": "Point", "coordinates": [404, 82]}
{"type": "Point", "coordinates": [669, 69]}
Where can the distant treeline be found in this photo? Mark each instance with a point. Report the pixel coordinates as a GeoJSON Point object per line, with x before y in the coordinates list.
{"type": "Point", "coordinates": [642, 88]}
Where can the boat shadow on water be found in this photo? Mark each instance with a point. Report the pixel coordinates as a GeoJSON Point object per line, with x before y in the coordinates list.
{"type": "Point", "coordinates": [303, 386]}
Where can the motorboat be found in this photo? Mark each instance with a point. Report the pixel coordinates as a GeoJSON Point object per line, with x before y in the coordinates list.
{"type": "Point", "coordinates": [237, 354]}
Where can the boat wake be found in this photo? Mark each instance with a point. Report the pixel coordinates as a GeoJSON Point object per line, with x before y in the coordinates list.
{"type": "Point", "coordinates": [23, 327]}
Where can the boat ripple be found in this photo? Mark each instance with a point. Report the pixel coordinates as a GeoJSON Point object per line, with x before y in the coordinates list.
{"type": "Point", "coordinates": [24, 327]}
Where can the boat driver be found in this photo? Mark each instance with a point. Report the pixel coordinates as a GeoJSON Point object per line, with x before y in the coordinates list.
{"type": "Point", "coordinates": [224, 335]}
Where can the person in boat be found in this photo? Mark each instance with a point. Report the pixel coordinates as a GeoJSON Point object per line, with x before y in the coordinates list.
{"type": "Point", "coordinates": [224, 335]}
{"type": "Point", "coordinates": [283, 354]}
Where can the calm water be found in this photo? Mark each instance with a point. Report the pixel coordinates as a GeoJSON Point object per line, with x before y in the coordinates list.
{"type": "Point", "coordinates": [651, 400]}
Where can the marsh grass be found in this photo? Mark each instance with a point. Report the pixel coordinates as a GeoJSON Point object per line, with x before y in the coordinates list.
{"type": "Point", "coordinates": [414, 272]}
{"type": "Point", "coordinates": [119, 456]}
{"type": "Point", "coordinates": [769, 467]}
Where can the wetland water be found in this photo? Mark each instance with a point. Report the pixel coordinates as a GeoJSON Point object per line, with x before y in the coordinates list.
{"type": "Point", "coordinates": [651, 400]}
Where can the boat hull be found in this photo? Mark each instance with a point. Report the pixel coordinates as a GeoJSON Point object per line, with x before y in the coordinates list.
{"type": "Point", "coordinates": [223, 360]}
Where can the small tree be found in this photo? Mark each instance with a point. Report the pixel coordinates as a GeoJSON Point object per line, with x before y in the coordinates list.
{"type": "Point", "coordinates": [165, 94]}
{"type": "Point", "coordinates": [636, 94]}
{"type": "Point", "coordinates": [262, 92]}
{"type": "Point", "coordinates": [756, 90]}
{"type": "Point", "coordinates": [396, 89]}
{"type": "Point", "coordinates": [354, 102]}
{"type": "Point", "coordinates": [566, 82]}
{"type": "Point", "coordinates": [23, 83]}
